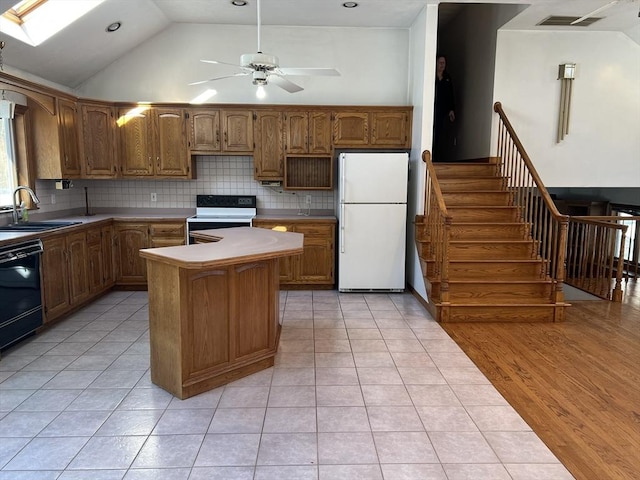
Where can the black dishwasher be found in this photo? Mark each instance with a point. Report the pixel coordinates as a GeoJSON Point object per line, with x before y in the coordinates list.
{"type": "Point", "coordinates": [20, 291]}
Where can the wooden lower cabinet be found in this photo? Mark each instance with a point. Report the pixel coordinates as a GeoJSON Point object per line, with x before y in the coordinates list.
{"type": "Point", "coordinates": [230, 331]}
{"type": "Point", "coordinates": [131, 237]}
{"type": "Point", "coordinates": [316, 266]}
{"type": "Point", "coordinates": [100, 255]}
{"type": "Point", "coordinates": [66, 272]}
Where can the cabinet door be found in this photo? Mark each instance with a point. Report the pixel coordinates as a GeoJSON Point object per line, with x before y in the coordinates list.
{"type": "Point", "coordinates": [55, 286]}
{"type": "Point", "coordinates": [319, 140]}
{"type": "Point", "coordinates": [297, 132]}
{"type": "Point", "coordinates": [237, 131]}
{"type": "Point", "coordinates": [98, 132]}
{"type": "Point", "coordinates": [269, 154]}
{"type": "Point", "coordinates": [130, 238]}
{"type": "Point", "coordinates": [316, 263]}
{"type": "Point", "coordinates": [390, 129]}
{"type": "Point", "coordinates": [108, 271]}
{"type": "Point", "coordinates": [286, 264]}
{"type": "Point", "coordinates": [351, 129]}
{"type": "Point", "coordinates": [135, 135]}
{"type": "Point", "coordinates": [204, 131]}
{"type": "Point", "coordinates": [78, 271]}
{"type": "Point", "coordinates": [94, 260]}
{"type": "Point", "coordinates": [69, 150]}
{"type": "Point", "coordinates": [170, 143]}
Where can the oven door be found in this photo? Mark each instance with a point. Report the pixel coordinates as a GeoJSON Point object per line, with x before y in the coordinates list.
{"type": "Point", "coordinates": [20, 291]}
{"type": "Point", "coordinates": [196, 224]}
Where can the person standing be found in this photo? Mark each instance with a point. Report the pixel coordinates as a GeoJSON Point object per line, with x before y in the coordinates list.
{"type": "Point", "coordinates": [444, 112]}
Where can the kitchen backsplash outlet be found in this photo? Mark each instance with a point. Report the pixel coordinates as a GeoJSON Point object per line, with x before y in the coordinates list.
{"type": "Point", "coordinates": [216, 175]}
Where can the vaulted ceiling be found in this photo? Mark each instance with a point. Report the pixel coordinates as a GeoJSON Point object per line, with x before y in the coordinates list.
{"type": "Point", "coordinates": [84, 48]}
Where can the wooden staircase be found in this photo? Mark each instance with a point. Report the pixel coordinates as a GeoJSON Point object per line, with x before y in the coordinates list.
{"type": "Point", "coordinates": [490, 269]}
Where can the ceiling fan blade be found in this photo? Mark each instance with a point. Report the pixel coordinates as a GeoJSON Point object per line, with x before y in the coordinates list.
{"type": "Point", "coordinates": [222, 63]}
{"type": "Point", "coordinates": [326, 72]}
{"type": "Point", "coordinates": [285, 84]}
{"type": "Point", "coordinates": [220, 78]}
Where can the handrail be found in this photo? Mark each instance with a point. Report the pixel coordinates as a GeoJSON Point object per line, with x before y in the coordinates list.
{"type": "Point", "coordinates": [437, 231]}
{"type": "Point", "coordinates": [547, 226]}
{"type": "Point", "coordinates": [431, 172]}
{"type": "Point", "coordinates": [497, 107]}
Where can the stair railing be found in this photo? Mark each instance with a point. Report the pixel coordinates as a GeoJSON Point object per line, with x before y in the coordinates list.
{"type": "Point", "coordinates": [437, 229]}
{"type": "Point", "coordinates": [547, 226]}
{"type": "Point", "coordinates": [598, 255]}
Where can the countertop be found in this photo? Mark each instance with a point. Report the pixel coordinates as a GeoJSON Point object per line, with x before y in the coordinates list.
{"type": "Point", "coordinates": [230, 246]}
{"type": "Point", "coordinates": [7, 238]}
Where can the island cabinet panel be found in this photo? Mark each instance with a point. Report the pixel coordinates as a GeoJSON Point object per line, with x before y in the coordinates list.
{"type": "Point", "coordinates": [209, 327]}
{"type": "Point", "coordinates": [254, 333]}
{"type": "Point", "coordinates": [207, 335]}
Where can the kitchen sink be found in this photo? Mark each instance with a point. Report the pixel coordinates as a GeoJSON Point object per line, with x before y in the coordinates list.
{"type": "Point", "coordinates": [35, 226]}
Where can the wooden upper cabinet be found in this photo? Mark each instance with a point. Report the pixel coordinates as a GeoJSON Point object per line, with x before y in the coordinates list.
{"type": "Point", "coordinates": [170, 142]}
{"type": "Point", "coordinates": [350, 129]}
{"type": "Point", "coordinates": [55, 140]}
{"type": "Point", "coordinates": [204, 131]}
{"type": "Point", "coordinates": [237, 131]}
{"type": "Point", "coordinates": [68, 118]}
{"type": "Point", "coordinates": [308, 133]}
{"type": "Point", "coordinates": [268, 157]}
{"type": "Point", "coordinates": [390, 129]}
{"type": "Point", "coordinates": [153, 143]}
{"type": "Point", "coordinates": [135, 133]}
{"type": "Point", "coordinates": [98, 141]}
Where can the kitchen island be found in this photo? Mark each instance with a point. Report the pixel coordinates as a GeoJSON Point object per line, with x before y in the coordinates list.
{"type": "Point", "coordinates": [214, 307]}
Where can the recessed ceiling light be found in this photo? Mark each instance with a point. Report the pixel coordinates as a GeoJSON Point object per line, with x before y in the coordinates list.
{"type": "Point", "coordinates": [349, 4]}
{"type": "Point", "coordinates": [113, 27]}
{"type": "Point", "coordinates": [238, 3]}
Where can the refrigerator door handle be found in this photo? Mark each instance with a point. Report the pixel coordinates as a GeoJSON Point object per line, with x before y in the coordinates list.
{"type": "Point", "coordinates": [342, 228]}
{"type": "Point", "coordinates": [343, 179]}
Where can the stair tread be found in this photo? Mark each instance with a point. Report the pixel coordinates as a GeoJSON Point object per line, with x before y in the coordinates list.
{"type": "Point", "coordinates": [493, 241]}
{"type": "Point", "coordinates": [512, 207]}
{"type": "Point", "coordinates": [518, 281]}
{"type": "Point", "coordinates": [506, 260]}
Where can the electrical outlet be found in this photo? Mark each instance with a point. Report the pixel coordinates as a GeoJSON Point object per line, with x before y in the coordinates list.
{"type": "Point", "coordinates": [308, 199]}
{"type": "Point", "coordinates": [53, 199]}
{"type": "Point", "coordinates": [154, 197]}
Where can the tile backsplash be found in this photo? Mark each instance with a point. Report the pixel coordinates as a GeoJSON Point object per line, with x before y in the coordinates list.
{"type": "Point", "coordinates": [215, 175]}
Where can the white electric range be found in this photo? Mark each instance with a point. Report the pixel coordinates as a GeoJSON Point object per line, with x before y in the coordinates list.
{"type": "Point", "coordinates": [221, 211]}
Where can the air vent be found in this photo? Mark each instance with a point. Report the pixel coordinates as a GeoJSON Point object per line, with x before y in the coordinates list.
{"type": "Point", "coordinates": [555, 21]}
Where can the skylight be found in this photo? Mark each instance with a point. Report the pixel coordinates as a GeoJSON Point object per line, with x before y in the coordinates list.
{"type": "Point", "coordinates": [34, 21]}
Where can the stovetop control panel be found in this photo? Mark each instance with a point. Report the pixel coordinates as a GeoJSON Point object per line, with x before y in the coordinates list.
{"type": "Point", "coordinates": [226, 201]}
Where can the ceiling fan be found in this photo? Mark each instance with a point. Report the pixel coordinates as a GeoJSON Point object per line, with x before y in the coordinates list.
{"type": "Point", "coordinates": [264, 69]}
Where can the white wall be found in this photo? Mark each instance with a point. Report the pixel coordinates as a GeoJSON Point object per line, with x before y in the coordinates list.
{"type": "Point", "coordinates": [603, 145]}
{"type": "Point", "coordinates": [421, 96]}
{"type": "Point", "coordinates": [373, 64]}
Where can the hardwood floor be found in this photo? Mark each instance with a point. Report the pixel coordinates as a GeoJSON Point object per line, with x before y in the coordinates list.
{"type": "Point", "coordinates": [577, 383]}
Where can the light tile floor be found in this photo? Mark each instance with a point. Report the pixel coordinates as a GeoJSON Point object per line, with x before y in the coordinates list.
{"type": "Point", "coordinates": [365, 386]}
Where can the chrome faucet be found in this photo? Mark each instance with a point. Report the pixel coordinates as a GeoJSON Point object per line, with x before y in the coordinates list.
{"type": "Point", "coordinates": [34, 197]}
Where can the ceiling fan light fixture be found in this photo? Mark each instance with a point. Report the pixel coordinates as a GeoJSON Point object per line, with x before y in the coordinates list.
{"type": "Point", "coordinates": [238, 3]}
{"type": "Point", "coordinates": [260, 91]}
{"type": "Point", "coordinates": [112, 27]}
{"type": "Point", "coordinates": [350, 4]}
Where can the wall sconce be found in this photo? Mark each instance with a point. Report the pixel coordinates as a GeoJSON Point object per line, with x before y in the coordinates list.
{"type": "Point", "coordinates": [566, 74]}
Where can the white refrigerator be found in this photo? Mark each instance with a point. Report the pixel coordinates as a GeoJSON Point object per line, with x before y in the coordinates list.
{"type": "Point", "coordinates": [372, 221]}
